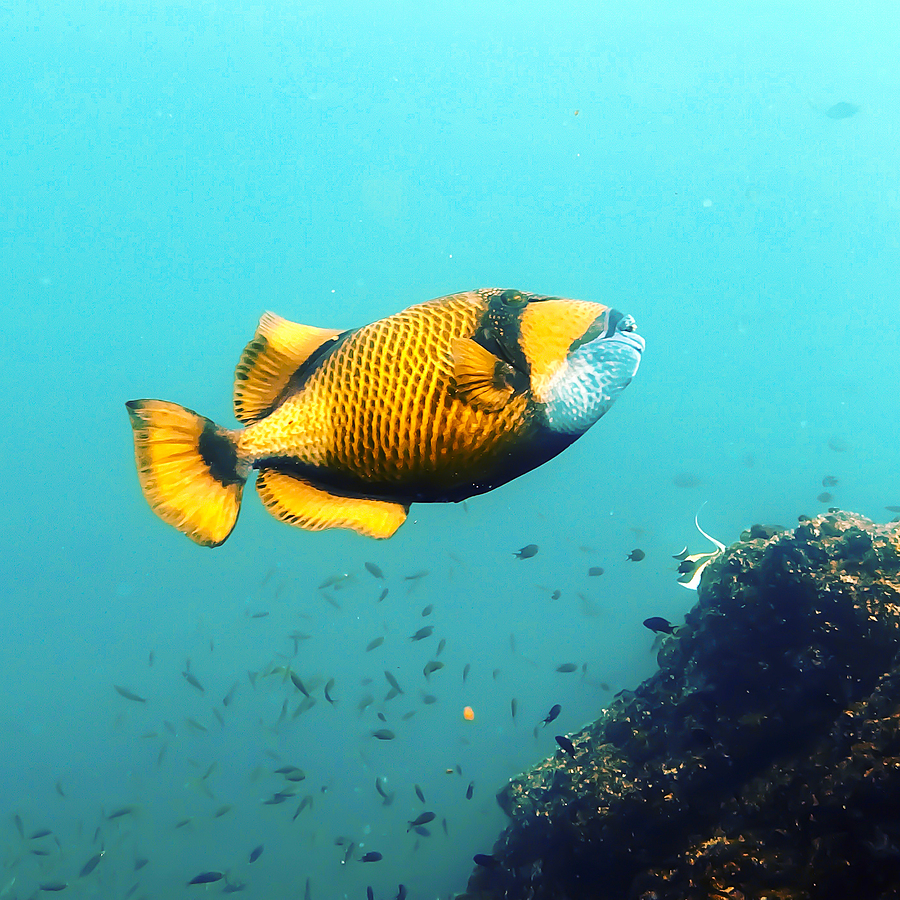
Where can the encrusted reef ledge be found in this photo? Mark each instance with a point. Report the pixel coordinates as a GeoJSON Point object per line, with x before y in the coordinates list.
{"type": "Point", "coordinates": [762, 760]}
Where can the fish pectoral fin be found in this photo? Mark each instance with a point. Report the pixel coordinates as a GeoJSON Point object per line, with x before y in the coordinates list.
{"type": "Point", "coordinates": [480, 377]}
{"type": "Point", "coordinates": [277, 350]}
{"type": "Point", "coordinates": [300, 503]}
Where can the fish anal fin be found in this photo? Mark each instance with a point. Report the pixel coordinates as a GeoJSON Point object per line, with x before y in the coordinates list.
{"type": "Point", "coordinates": [480, 377]}
{"type": "Point", "coordinates": [277, 350]}
{"type": "Point", "coordinates": [297, 502]}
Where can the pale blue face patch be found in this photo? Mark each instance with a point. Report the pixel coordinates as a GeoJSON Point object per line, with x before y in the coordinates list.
{"type": "Point", "coordinates": [595, 374]}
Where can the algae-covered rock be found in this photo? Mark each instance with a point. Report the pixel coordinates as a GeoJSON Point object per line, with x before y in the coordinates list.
{"type": "Point", "coordinates": [761, 760]}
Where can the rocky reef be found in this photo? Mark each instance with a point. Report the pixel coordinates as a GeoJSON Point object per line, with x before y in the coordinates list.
{"type": "Point", "coordinates": [762, 760]}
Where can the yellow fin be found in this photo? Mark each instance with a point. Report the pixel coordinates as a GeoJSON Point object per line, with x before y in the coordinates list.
{"type": "Point", "coordinates": [277, 350]}
{"type": "Point", "coordinates": [297, 502]}
{"type": "Point", "coordinates": [189, 469]}
{"type": "Point", "coordinates": [482, 379]}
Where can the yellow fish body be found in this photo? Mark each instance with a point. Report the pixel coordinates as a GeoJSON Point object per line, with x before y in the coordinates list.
{"type": "Point", "coordinates": [442, 401]}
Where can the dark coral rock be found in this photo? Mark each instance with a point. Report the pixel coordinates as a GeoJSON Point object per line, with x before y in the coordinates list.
{"type": "Point", "coordinates": [761, 760]}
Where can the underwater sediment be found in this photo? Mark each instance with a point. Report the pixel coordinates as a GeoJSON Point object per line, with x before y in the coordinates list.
{"type": "Point", "coordinates": [761, 760]}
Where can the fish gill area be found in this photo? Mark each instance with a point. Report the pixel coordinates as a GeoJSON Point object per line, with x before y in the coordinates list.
{"type": "Point", "coordinates": [762, 759]}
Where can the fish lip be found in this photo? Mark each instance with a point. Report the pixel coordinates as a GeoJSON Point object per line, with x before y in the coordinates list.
{"type": "Point", "coordinates": [629, 338]}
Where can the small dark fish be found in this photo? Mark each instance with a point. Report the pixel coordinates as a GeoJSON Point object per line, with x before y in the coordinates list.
{"type": "Point", "coordinates": [328, 688]}
{"type": "Point", "coordinates": [54, 886]}
{"type": "Point", "coordinates": [419, 793]}
{"type": "Point", "coordinates": [636, 555]}
{"type": "Point", "coordinates": [91, 864]}
{"type": "Point", "coordinates": [206, 878]}
{"type": "Point", "coordinates": [466, 669]}
{"type": "Point", "coordinates": [658, 624]}
{"type": "Point", "coordinates": [222, 810]}
{"type": "Point", "coordinates": [432, 666]}
{"type": "Point", "coordinates": [129, 695]}
{"type": "Point", "coordinates": [526, 552]}
{"type": "Point", "coordinates": [19, 827]}
{"type": "Point", "coordinates": [374, 570]}
{"type": "Point", "coordinates": [838, 445]}
{"type": "Point", "coordinates": [428, 699]}
{"type": "Point", "coordinates": [567, 667]}
{"type": "Point", "coordinates": [842, 110]}
{"type": "Point", "coordinates": [139, 863]}
{"type": "Point", "coordinates": [191, 680]}
{"type": "Point", "coordinates": [255, 853]}
{"type": "Point", "coordinates": [422, 831]}
{"type": "Point", "coordinates": [59, 789]}
{"type": "Point", "coordinates": [370, 894]}
{"type": "Point", "coordinates": [40, 833]}
{"type": "Point", "coordinates": [382, 595]}
{"type": "Point", "coordinates": [829, 481]}
{"type": "Point", "coordinates": [513, 706]}
{"type": "Point", "coordinates": [371, 856]}
{"type": "Point", "coordinates": [401, 892]}
{"type": "Point", "coordinates": [422, 819]}
{"type": "Point", "coordinates": [375, 643]}
{"type": "Point", "coordinates": [295, 678]}
{"type": "Point", "coordinates": [423, 633]}
{"type": "Point", "coordinates": [293, 774]}
{"type": "Point", "coordinates": [259, 615]}
{"type": "Point", "coordinates": [488, 862]}
{"type": "Point", "coordinates": [218, 716]}
{"type": "Point", "coordinates": [825, 497]}
{"type": "Point", "coordinates": [557, 594]}
{"type": "Point", "coordinates": [566, 744]}
{"type": "Point", "coordinates": [124, 811]}
{"type": "Point", "coordinates": [428, 610]}
{"type": "Point", "coordinates": [384, 734]}
{"type": "Point", "coordinates": [421, 573]}
{"type": "Point", "coordinates": [380, 789]}
{"type": "Point", "coordinates": [555, 710]}
{"type": "Point", "coordinates": [150, 659]}
{"type": "Point", "coordinates": [306, 801]}
{"type": "Point", "coordinates": [393, 682]}
{"type": "Point", "coordinates": [440, 647]}
{"type": "Point", "coordinates": [470, 790]}
{"type": "Point", "coordinates": [894, 509]}
{"type": "Point", "coordinates": [307, 893]}
{"type": "Point", "coordinates": [595, 570]}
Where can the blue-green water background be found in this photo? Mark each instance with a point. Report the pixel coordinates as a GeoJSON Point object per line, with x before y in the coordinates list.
{"type": "Point", "coordinates": [169, 171]}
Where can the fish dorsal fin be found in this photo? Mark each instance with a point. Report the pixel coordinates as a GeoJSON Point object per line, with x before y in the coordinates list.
{"type": "Point", "coordinates": [300, 503]}
{"type": "Point", "coordinates": [277, 350]}
{"type": "Point", "coordinates": [481, 378]}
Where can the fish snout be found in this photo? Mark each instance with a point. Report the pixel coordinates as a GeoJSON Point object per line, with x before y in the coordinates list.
{"type": "Point", "coordinates": [622, 327]}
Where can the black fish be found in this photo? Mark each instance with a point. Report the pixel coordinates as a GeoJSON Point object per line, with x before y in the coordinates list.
{"type": "Point", "coordinates": [384, 734]}
{"type": "Point", "coordinates": [842, 110]}
{"type": "Point", "coordinates": [419, 793]}
{"type": "Point", "coordinates": [256, 853]}
{"type": "Point", "coordinates": [393, 682]}
{"type": "Point", "coordinates": [129, 695]}
{"type": "Point", "coordinates": [401, 892]}
{"type": "Point", "coordinates": [636, 555]}
{"type": "Point", "coordinates": [659, 624]}
{"type": "Point", "coordinates": [377, 642]}
{"type": "Point", "coordinates": [422, 819]}
{"type": "Point", "coordinates": [422, 633]}
{"type": "Point", "coordinates": [382, 595]}
{"type": "Point", "coordinates": [191, 680]}
{"type": "Point", "coordinates": [432, 666]}
{"type": "Point", "coordinates": [567, 667]}
{"type": "Point", "coordinates": [371, 856]}
{"type": "Point", "coordinates": [370, 894]}
{"type": "Point", "coordinates": [91, 864]}
{"type": "Point", "coordinates": [466, 669]}
{"type": "Point", "coordinates": [470, 790]}
{"type": "Point", "coordinates": [482, 859]}
{"type": "Point", "coordinates": [206, 878]}
{"type": "Point", "coordinates": [299, 684]}
{"type": "Point", "coordinates": [54, 886]}
{"type": "Point", "coordinates": [374, 570]}
{"type": "Point", "coordinates": [526, 552]}
{"type": "Point", "coordinates": [593, 571]}
{"type": "Point", "coordinates": [555, 710]}
{"type": "Point", "coordinates": [829, 481]}
{"type": "Point", "coordinates": [566, 745]}
{"type": "Point", "coordinates": [328, 688]}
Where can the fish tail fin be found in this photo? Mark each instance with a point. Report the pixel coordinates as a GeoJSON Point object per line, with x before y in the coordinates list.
{"type": "Point", "coordinates": [190, 470]}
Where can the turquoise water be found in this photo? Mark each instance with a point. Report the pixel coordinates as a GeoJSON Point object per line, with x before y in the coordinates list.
{"type": "Point", "coordinates": [170, 172]}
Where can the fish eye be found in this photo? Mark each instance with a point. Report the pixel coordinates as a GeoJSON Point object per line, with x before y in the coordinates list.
{"type": "Point", "coordinates": [627, 324]}
{"type": "Point", "coordinates": [513, 298]}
